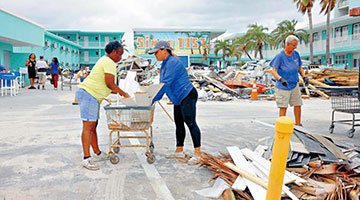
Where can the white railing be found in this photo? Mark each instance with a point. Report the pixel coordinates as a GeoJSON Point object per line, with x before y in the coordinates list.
{"type": "Point", "coordinates": [89, 59]}
{"type": "Point", "coordinates": [96, 44]}
{"type": "Point", "coordinates": [340, 42]}
{"type": "Point", "coordinates": [343, 3]}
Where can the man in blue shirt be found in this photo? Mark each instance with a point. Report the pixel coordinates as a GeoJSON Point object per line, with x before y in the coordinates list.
{"type": "Point", "coordinates": [285, 68]}
{"type": "Point", "coordinates": [181, 92]}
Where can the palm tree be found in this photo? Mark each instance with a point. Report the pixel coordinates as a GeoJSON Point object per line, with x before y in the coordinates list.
{"type": "Point", "coordinates": [242, 46]}
{"type": "Point", "coordinates": [257, 38]}
{"type": "Point", "coordinates": [223, 46]}
{"type": "Point", "coordinates": [326, 7]}
{"type": "Point", "coordinates": [305, 6]}
{"type": "Point", "coordinates": [234, 52]}
{"type": "Point", "coordinates": [199, 45]}
{"type": "Point", "coordinates": [122, 42]}
{"type": "Point", "coordinates": [286, 28]}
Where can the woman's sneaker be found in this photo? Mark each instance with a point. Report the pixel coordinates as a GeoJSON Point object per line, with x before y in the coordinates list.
{"type": "Point", "coordinates": [89, 164]}
{"type": "Point", "coordinates": [103, 156]}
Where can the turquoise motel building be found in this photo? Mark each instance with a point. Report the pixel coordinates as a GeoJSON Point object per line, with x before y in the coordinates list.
{"type": "Point", "coordinates": [344, 37]}
{"type": "Point", "coordinates": [20, 36]}
{"type": "Point", "coordinates": [189, 44]}
{"type": "Point", "coordinates": [92, 43]}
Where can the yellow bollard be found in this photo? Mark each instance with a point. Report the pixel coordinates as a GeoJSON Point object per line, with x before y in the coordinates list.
{"type": "Point", "coordinates": [283, 128]}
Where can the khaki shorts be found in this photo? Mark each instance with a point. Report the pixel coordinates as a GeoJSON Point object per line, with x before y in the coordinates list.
{"type": "Point", "coordinates": [286, 97]}
{"type": "Point", "coordinates": [42, 77]}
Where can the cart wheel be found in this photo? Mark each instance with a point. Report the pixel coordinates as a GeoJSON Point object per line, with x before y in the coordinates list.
{"type": "Point", "coordinates": [151, 147]}
{"type": "Point", "coordinates": [350, 133]}
{"type": "Point", "coordinates": [114, 159]}
{"type": "Point", "coordinates": [116, 149]}
{"type": "Point", "coordinates": [150, 158]}
{"type": "Point", "coordinates": [331, 129]}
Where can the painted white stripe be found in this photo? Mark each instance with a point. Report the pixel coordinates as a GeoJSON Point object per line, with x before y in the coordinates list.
{"type": "Point", "coordinates": [263, 123]}
{"type": "Point", "coordinates": [158, 184]}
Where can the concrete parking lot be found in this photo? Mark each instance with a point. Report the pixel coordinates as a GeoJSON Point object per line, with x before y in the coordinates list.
{"type": "Point", "coordinates": [41, 154]}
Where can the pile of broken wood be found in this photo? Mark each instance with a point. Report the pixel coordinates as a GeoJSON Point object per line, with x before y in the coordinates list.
{"type": "Point", "coordinates": [334, 77]}
{"type": "Point", "coordinates": [321, 82]}
{"type": "Point", "coordinates": [321, 171]}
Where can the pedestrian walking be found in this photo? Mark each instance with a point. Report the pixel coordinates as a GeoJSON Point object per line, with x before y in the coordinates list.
{"type": "Point", "coordinates": [41, 67]}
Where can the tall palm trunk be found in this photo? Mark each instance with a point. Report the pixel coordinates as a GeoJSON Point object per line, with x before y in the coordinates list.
{"type": "Point", "coordinates": [311, 35]}
{"type": "Point", "coordinates": [328, 38]}
{"type": "Point", "coordinates": [260, 52]}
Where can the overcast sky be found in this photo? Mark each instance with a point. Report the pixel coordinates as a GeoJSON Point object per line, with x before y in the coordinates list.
{"type": "Point", "coordinates": [121, 15]}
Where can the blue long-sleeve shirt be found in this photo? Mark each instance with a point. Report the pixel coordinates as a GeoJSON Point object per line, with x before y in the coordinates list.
{"type": "Point", "coordinates": [176, 80]}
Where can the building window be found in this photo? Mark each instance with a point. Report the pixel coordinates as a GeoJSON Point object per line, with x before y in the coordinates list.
{"type": "Point", "coordinates": [340, 59]}
{"type": "Point", "coordinates": [96, 38]}
{"type": "Point", "coordinates": [341, 33]}
{"type": "Point", "coordinates": [68, 37]}
{"type": "Point", "coordinates": [79, 37]}
{"type": "Point", "coordinates": [356, 61]}
{"type": "Point", "coordinates": [97, 53]}
{"type": "Point", "coordinates": [315, 36]}
{"type": "Point", "coordinates": [356, 31]}
{"type": "Point", "coordinates": [114, 38]}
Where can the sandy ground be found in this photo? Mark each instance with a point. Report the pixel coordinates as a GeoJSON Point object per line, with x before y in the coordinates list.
{"type": "Point", "coordinates": [41, 154]}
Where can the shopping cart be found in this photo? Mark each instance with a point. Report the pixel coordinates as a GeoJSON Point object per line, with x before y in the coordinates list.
{"type": "Point", "coordinates": [345, 101]}
{"type": "Point", "coordinates": [130, 119]}
{"type": "Point", "coordinates": [66, 78]}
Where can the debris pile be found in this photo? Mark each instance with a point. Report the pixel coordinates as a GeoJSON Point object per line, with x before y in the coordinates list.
{"type": "Point", "coordinates": [319, 167]}
{"type": "Point", "coordinates": [233, 83]}
{"type": "Point", "coordinates": [334, 77]}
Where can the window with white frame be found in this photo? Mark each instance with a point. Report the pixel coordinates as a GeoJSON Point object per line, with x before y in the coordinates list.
{"type": "Point", "coordinates": [356, 31]}
{"type": "Point", "coordinates": [341, 33]}
{"type": "Point", "coordinates": [356, 61]}
{"type": "Point", "coordinates": [340, 59]}
{"type": "Point", "coordinates": [315, 36]}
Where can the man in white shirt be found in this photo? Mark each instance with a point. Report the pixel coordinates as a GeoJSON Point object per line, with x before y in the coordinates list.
{"type": "Point", "coordinates": [41, 67]}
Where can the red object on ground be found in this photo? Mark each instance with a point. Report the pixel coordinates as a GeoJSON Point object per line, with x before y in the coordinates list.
{"type": "Point", "coordinates": [260, 88]}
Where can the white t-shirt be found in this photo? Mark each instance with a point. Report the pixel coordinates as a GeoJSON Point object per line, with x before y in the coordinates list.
{"type": "Point", "coordinates": [41, 66]}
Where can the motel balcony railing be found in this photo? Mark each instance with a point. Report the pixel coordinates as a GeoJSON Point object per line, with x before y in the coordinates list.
{"type": "Point", "coordinates": [89, 59]}
{"type": "Point", "coordinates": [320, 46]}
{"type": "Point", "coordinates": [96, 44]}
{"type": "Point", "coordinates": [343, 3]}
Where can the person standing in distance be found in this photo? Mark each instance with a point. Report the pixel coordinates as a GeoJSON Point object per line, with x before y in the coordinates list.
{"type": "Point", "coordinates": [30, 63]}
{"type": "Point", "coordinates": [286, 67]}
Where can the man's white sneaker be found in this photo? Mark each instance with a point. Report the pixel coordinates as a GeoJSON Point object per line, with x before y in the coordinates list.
{"type": "Point", "coordinates": [89, 164]}
{"type": "Point", "coordinates": [103, 156]}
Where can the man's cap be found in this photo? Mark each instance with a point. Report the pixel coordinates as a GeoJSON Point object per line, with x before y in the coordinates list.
{"type": "Point", "coordinates": [160, 45]}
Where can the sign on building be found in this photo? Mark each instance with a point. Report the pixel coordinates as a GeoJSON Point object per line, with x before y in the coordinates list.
{"type": "Point", "coordinates": [181, 42]}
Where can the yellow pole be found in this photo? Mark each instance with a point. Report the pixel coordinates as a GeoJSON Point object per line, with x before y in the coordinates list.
{"type": "Point", "coordinates": [283, 128]}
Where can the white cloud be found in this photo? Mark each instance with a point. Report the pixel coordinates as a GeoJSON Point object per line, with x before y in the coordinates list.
{"type": "Point", "coordinates": [124, 15]}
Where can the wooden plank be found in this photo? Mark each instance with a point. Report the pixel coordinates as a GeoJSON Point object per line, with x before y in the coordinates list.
{"type": "Point", "coordinates": [257, 191]}
{"type": "Point", "coordinates": [318, 83]}
{"type": "Point", "coordinates": [300, 129]}
{"type": "Point", "coordinates": [331, 147]}
{"type": "Point", "coordinates": [311, 145]}
{"type": "Point", "coordinates": [339, 70]}
{"type": "Point", "coordinates": [264, 174]}
{"type": "Point", "coordinates": [297, 146]}
{"type": "Point", "coordinates": [306, 89]}
{"type": "Point", "coordinates": [319, 92]}
{"type": "Point", "coordinates": [288, 178]}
